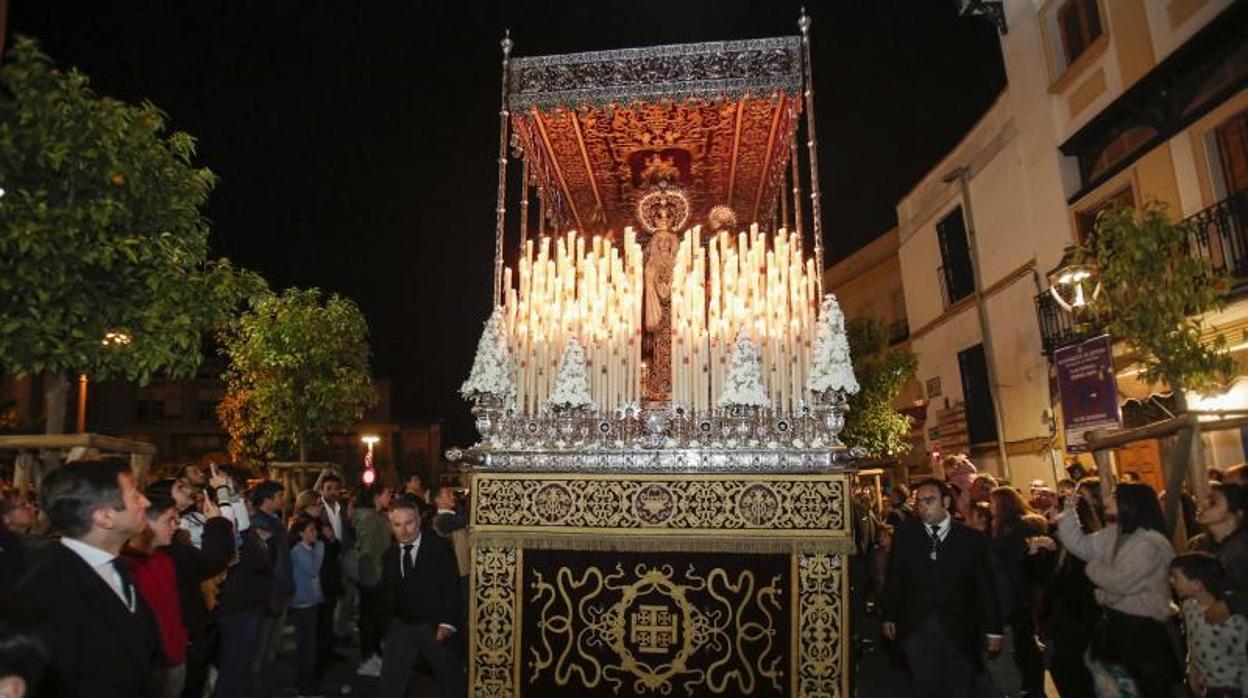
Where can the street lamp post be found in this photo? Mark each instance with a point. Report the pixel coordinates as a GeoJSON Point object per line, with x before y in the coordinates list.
{"type": "Point", "coordinates": [1070, 279]}
{"type": "Point", "coordinates": [369, 476]}
{"type": "Point", "coordinates": [113, 339]}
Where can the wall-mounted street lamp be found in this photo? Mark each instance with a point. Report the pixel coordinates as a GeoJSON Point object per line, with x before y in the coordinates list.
{"type": "Point", "coordinates": [1075, 282]}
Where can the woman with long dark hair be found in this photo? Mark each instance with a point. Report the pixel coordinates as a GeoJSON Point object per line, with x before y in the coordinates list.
{"type": "Point", "coordinates": [1129, 561]}
{"type": "Point", "coordinates": [1071, 610]}
{"type": "Point", "coordinates": [1013, 522]}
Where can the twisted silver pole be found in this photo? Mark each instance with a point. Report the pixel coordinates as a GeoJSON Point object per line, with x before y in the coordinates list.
{"type": "Point", "coordinates": [797, 187]}
{"type": "Point", "coordinates": [812, 144]}
{"type": "Point", "coordinates": [501, 207]}
{"type": "Point", "coordinates": [524, 200]}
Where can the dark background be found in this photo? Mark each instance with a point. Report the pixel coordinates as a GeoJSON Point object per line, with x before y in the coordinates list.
{"type": "Point", "coordinates": [356, 141]}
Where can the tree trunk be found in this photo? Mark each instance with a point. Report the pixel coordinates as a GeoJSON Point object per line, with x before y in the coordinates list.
{"type": "Point", "coordinates": [55, 393]}
{"type": "Point", "coordinates": [303, 450]}
{"type": "Point", "coordinates": [1175, 460]}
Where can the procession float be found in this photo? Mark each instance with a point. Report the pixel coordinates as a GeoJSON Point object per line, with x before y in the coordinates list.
{"type": "Point", "coordinates": [659, 499]}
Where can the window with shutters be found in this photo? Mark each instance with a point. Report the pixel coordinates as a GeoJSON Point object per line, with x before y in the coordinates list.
{"type": "Point", "coordinates": [957, 279]}
{"type": "Point", "coordinates": [1230, 139]}
{"type": "Point", "coordinates": [1079, 23]}
{"type": "Point", "coordinates": [981, 422]}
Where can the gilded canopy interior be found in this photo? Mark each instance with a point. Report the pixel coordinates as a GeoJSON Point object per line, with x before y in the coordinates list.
{"type": "Point", "coordinates": [600, 129]}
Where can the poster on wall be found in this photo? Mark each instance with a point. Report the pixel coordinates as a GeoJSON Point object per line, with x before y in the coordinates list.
{"type": "Point", "coordinates": [1088, 389]}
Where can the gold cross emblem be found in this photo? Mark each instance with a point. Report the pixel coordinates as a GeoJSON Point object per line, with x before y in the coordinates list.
{"type": "Point", "coordinates": [654, 629]}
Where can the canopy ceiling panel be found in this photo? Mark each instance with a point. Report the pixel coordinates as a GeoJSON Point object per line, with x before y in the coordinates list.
{"type": "Point", "coordinates": [600, 129]}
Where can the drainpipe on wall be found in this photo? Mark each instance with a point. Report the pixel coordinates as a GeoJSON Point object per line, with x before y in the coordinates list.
{"type": "Point", "coordinates": [962, 176]}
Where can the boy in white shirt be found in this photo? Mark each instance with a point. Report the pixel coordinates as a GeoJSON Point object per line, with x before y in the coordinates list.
{"type": "Point", "coordinates": [1215, 651]}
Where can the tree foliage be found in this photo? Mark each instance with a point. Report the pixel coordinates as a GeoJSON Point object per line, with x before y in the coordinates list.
{"type": "Point", "coordinates": [1157, 292]}
{"type": "Point", "coordinates": [298, 369]}
{"type": "Point", "coordinates": [101, 230]}
{"type": "Point", "coordinates": [873, 423]}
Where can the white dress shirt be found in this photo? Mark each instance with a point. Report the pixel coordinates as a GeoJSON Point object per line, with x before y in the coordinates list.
{"type": "Point", "coordinates": [334, 514]}
{"type": "Point", "coordinates": [942, 528]}
{"type": "Point", "coordinates": [102, 562]}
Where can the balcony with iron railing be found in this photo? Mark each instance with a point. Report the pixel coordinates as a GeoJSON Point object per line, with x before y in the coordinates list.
{"type": "Point", "coordinates": [1220, 237]}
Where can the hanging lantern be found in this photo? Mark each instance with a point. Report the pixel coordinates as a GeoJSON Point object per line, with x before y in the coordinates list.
{"type": "Point", "coordinates": [1075, 282]}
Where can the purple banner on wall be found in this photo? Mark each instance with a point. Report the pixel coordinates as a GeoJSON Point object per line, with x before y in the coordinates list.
{"type": "Point", "coordinates": [1088, 388]}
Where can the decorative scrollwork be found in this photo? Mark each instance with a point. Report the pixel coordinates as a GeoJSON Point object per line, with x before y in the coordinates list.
{"type": "Point", "coordinates": [716, 69]}
{"type": "Point", "coordinates": [495, 624]}
{"type": "Point", "coordinates": [643, 629]}
{"type": "Point", "coordinates": [821, 623]}
{"type": "Point", "coordinates": [794, 504]}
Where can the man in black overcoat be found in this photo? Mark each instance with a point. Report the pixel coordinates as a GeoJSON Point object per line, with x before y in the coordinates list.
{"type": "Point", "coordinates": [420, 599]}
{"type": "Point", "coordinates": [940, 604]}
{"type": "Point", "coordinates": [102, 636]}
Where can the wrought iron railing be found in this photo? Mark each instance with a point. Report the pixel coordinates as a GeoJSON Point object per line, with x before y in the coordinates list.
{"type": "Point", "coordinates": [1060, 327]}
{"type": "Point", "coordinates": [1221, 237]}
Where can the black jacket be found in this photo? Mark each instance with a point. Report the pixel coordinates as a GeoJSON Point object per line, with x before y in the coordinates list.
{"type": "Point", "coordinates": [195, 566]}
{"type": "Point", "coordinates": [279, 545]}
{"type": "Point", "coordinates": [957, 586]}
{"type": "Point", "coordinates": [248, 584]}
{"type": "Point", "coordinates": [1233, 552]}
{"type": "Point", "coordinates": [100, 649]}
{"type": "Point", "coordinates": [430, 594]}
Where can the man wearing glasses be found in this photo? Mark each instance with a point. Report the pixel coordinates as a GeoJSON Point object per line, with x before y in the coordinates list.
{"type": "Point", "coordinates": [940, 604]}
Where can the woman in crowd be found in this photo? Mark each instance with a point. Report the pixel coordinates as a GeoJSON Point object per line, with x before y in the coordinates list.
{"type": "Point", "coordinates": [1013, 523]}
{"type": "Point", "coordinates": [1128, 562]}
{"type": "Point", "coordinates": [307, 505]}
{"type": "Point", "coordinates": [1070, 600]}
{"type": "Point", "coordinates": [306, 556]}
{"type": "Point", "coordinates": [1224, 516]}
{"type": "Point", "coordinates": [155, 577]}
{"type": "Point", "coordinates": [372, 538]}
{"type": "Point", "coordinates": [17, 516]}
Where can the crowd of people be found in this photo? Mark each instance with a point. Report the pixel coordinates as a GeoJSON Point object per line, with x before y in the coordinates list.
{"type": "Point", "coordinates": [183, 587]}
{"type": "Point", "coordinates": [982, 588]}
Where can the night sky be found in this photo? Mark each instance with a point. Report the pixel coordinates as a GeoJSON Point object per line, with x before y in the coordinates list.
{"type": "Point", "coordinates": [356, 141]}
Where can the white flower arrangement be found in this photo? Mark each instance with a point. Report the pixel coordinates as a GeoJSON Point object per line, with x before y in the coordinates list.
{"type": "Point", "coordinates": [744, 385]}
{"type": "Point", "coordinates": [572, 384]}
{"type": "Point", "coordinates": [830, 365]}
{"type": "Point", "coordinates": [492, 370]}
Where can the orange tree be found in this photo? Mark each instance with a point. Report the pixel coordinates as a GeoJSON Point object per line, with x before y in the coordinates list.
{"type": "Point", "coordinates": [101, 232]}
{"type": "Point", "coordinates": [298, 369]}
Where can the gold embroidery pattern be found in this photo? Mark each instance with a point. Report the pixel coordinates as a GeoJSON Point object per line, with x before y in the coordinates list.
{"type": "Point", "coordinates": [649, 620]}
{"type": "Point", "coordinates": [659, 505]}
{"type": "Point", "coordinates": [821, 625]}
{"type": "Point", "coordinates": [495, 623]}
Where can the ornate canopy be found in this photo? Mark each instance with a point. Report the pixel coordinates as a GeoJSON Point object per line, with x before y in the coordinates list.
{"type": "Point", "coordinates": [600, 129]}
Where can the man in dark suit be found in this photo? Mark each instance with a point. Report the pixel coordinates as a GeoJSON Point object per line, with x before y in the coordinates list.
{"type": "Point", "coordinates": [939, 598]}
{"type": "Point", "coordinates": [420, 597]}
{"type": "Point", "coordinates": [102, 636]}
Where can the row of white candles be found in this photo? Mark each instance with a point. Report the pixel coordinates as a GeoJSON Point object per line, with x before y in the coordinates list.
{"type": "Point", "coordinates": [734, 284]}
{"type": "Point", "coordinates": [590, 290]}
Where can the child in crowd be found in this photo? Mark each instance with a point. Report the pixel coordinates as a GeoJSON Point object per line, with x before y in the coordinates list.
{"type": "Point", "coordinates": [1215, 652]}
{"type": "Point", "coordinates": [306, 556]}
